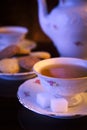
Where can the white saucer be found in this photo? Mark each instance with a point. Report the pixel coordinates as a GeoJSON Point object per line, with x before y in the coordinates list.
{"type": "Point", "coordinates": [27, 97]}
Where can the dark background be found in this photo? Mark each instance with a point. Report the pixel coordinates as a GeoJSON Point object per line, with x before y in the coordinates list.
{"type": "Point", "coordinates": [24, 13]}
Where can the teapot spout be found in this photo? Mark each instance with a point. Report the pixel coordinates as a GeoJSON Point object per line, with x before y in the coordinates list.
{"type": "Point", "coordinates": [42, 10]}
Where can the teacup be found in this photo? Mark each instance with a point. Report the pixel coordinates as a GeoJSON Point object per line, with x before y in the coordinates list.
{"type": "Point", "coordinates": [64, 77]}
{"type": "Point", "coordinates": [11, 35]}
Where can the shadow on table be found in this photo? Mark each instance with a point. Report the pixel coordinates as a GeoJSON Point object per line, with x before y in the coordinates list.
{"type": "Point", "coordinates": [8, 88]}
{"type": "Point", "coordinates": [30, 120]}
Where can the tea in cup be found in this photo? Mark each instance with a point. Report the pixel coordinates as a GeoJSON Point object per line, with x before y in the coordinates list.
{"type": "Point", "coordinates": [64, 77]}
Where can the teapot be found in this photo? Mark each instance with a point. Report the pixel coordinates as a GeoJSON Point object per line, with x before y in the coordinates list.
{"type": "Point", "coordinates": [66, 26]}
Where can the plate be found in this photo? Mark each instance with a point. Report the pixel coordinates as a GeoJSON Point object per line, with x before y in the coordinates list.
{"type": "Point", "coordinates": [27, 97]}
{"type": "Point", "coordinates": [25, 75]}
{"type": "Point", "coordinates": [18, 76]}
{"type": "Point", "coordinates": [27, 44]}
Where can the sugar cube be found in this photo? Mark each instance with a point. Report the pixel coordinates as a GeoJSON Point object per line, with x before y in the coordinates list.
{"type": "Point", "coordinates": [43, 99]}
{"type": "Point", "coordinates": [59, 105]}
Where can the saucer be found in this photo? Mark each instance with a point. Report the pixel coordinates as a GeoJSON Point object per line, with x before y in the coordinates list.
{"type": "Point", "coordinates": [27, 97]}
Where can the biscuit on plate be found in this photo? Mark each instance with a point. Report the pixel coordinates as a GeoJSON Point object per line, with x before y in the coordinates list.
{"type": "Point", "coordinates": [27, 62]}
{"type": "Point", "coordinates": [9, 65]}
{"type": "Point", "coordinates": [23, 51]}
{"type": "Point", "coordinates": [41, 54]}
{"type": "Point", "coordinates": [9, 51]}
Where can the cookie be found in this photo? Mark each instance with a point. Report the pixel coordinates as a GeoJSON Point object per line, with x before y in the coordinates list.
{"type": "Point", "coordinates": [41, 54]}
{"type": "Point", "coordinates": [23, 51]}
{"type": "Point", "coordinates": [9, 65]}
{"type": "Point", "coordinates": [27, 62]}
{"type": "Point", "coordinates": [9, 51]}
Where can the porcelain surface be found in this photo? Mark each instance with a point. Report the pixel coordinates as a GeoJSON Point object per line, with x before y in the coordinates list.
{"type": "Point", "coordinates": [66, 26]}
{"type": "Point", "coordinates": [27, 97]}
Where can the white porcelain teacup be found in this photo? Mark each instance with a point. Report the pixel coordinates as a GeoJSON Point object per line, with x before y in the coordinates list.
{"type": "Point", "coordinates": [11, 35]}
{"type": "Point", "coordinates": [68, 82]}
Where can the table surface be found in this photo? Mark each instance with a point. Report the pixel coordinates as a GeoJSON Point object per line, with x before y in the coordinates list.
{"type": "Point", "coordinates": [13, 115]}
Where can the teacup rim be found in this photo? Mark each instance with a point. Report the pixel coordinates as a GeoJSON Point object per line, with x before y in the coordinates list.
{"type": "Point", "coordinates": [21, 29]}
{"type": "Point", "coordinates": [78, 78]}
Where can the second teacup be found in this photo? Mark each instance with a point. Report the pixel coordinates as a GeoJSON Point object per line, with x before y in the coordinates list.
{"type": "Point", "coordinates": [11, 35]}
